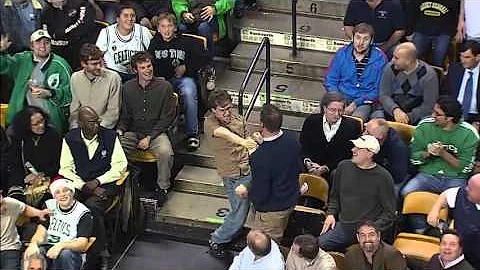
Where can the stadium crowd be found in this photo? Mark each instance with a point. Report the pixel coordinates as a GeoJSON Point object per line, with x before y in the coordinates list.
{"type": "Point", "coordinates": [80, 105]}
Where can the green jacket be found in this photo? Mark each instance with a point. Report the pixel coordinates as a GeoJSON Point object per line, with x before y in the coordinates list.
{"type": "Point", "coordinates": [223, 7]}
{"type": "Point", "coordinates": [19, 68]}
{"type": "Point", "coordinates": [461, 142]}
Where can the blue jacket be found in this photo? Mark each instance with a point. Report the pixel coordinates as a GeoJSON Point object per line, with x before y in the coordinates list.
{"type": "Point", "coordinates": [342, 75]}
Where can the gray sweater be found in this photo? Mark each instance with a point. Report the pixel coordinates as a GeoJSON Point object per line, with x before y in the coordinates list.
{"type": "Point", "coordinates": [414, 93]}
{"type": "Point", "coordinates": [360, 194]}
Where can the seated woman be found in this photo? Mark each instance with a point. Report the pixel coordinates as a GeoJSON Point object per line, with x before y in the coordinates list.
{"type": "Point", "coordinates": [34, 155]}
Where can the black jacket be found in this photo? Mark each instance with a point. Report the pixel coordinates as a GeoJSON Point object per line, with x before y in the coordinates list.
{"type": "Point", "coordinates": [453, 81]}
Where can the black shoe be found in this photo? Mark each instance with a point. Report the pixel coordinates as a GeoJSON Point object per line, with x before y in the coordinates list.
{"type": "Point", "coordinates": [160, 195]}
{"type": "Point", "coordinates": [104, 262]}
{"type": "Point", "coordinates": [218, 251]}
{"type": "Point", "coordinates": [193, 143]}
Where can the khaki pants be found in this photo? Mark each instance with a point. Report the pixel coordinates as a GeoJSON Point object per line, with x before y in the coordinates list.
{"type": "Point", "coordinates": [272, 223]}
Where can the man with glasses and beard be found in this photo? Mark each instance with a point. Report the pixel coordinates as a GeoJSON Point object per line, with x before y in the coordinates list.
{"type": "Point", "coordinates": [361, 190]}
{"type": "Point", "coordinates": [93, 159]}
{"type": "Point", "coordinates": [371, 252]}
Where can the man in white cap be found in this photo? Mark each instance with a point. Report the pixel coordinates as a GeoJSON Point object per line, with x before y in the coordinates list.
{"type": "Point", "coordinates": [65, 235]}
{"type": "Point", "coordinates": [40, 77]}
{"type": "Point", "coordinates": [361, 190]}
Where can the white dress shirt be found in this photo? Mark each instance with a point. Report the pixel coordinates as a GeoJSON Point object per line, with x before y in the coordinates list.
{"type": "Point", "coordinates": [330, 130]}
{"type": "Point", "coordinates": [246, 260]}
{"type": "Point", "coordinates": [473, 104]}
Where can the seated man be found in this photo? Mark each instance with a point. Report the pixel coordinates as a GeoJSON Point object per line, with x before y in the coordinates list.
{"type": "Point", "coordinates": [70, 22]}
{"type": "Point", "coordinates": [173, 54]}
{"type": "Point", "coordinates": [205, 18]}
{"type": "Point", "coordinates": [148, 110]}
{"type": "Point", "coordinates": [356, 71]}
{"type": "Point", "coordinates": [371, 252]}
{"type": "Point", "coordinates": [325, 137]}
{"type": "Point", "coordinates": [274, 188]}
{"type": "Point", "coordinates": [443, 149]}
{"type": "Point", "coordinates": [464, 206]}
{"type": "Point", "coordinates": [34, 262]}
{"type": "Point", "coordinates": [10, 245]}
{"type": "Point", "coordinates": [93, 159]}
{"type": "Point", "coordinates": [450, 255]}
{"type": "Point", "coordinates": [409, 86]}
{"type": "Point", "coordinates": [261, 253]}
{"type": "Point", "coordinates": [306, 254]}
{"type": "Point", "coordinates": [95, 86]}
{"type": "Point", "coordinates": [41, 78]}
{"type": "Point", "coordinates": [64, 236]}
{"type": "Point", "coordinates": [462, 81]}
{"type": "Point", "coordinates": [386, 17]}
{"type": "Point", "coordinates": [394, 154]}
{"type": "Point", "coordinates": [121, 40]}
{"type": "Point", "coordinates": [361, 190]}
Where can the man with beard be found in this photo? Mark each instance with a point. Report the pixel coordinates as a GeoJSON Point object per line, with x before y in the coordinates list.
{"type": "Point", "coordinates": [356, 71]}
{"type": "Point", "coordinates": [95, 86]}
{"type": "Point", "coordinates": [371, 252]}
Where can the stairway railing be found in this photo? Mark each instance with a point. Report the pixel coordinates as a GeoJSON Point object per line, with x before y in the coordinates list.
{"type": "Point", "coordinates": [265, 44]}
{"type": "Point", "coordinates": [294, 28]}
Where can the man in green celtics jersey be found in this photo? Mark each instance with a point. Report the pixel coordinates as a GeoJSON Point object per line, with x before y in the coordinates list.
{"type": "Point", "coordinates": [443, 150]}
{"type": "Point", "coordinates": [63, 237]}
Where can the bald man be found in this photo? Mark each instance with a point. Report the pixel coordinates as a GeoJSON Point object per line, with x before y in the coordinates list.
{"type": "Point", "coordinates": [93, 159]}
{"type": "Point", "coordinates": [464, 205]}
{"type": "Point", "coordinates": [409, 86]}
{"type": "Point", "coordinates": [261, 253]}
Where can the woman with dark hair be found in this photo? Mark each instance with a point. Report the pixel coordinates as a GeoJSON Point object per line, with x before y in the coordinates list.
{"type": "Point", "coordinates": [34, 155]}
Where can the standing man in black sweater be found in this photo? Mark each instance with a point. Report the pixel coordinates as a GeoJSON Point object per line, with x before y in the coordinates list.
{"type": "Point", "coordinates": [325, 137]}
{"type": "Point", "coordinates": [173, 54]}
{"type": "Point", "coordinates": [274, 188]}
{"type": "Point", "coordinates": [361, 190]}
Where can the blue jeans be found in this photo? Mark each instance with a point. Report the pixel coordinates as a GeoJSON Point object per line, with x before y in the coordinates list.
{"type": "Point", "coordinates": [235, 219]}
{"type": "Point", "coordinates": [66, 260]}
{"type": "Point", "coordinates": [206, 29]}
{"type": "Point", "coordinates": [430, 183]}
{"type": "Point", "coordinates": [338, 238]}
{"type": "Point", "coordinates": [188, 90]}
{"type": "Point", "coordinates": [10, 259]}
{"type": "Point", "coordinates": [438, 44]}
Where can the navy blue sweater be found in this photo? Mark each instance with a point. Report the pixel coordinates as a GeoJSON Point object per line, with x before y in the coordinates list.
{"type": "Point", "coordinates": [275, 168]}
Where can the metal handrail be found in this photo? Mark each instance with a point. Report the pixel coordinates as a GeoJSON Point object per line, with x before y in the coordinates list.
{"type": "Point", "coordinates": [294, 28]}
{"type": "Point", "coordinates": [265, 44]}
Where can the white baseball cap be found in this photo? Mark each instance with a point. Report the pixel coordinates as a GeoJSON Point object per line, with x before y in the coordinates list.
{"type": "Point", "coordinates": [367, 142]}
{"type": "Point", "coordinates": [59, 183]}
{"type": "Point", "coordinates": [40, 33]}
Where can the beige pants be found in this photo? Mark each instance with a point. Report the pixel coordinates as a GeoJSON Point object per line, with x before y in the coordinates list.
{"type": "Point", "coordinates": [272, 223]}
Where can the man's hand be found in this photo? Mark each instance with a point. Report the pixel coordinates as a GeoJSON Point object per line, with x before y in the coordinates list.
{"type": "Point", "coordinates": [35, 179]}
{"type": "Point", "coordinates": [241, 191]}
{"type": "Point", "coordinates": [400, 116]}
{"type": "Point", "coordinates": [40, 92]}
{"type": "Point", "coordinates": [432, 218]}
{"type": "Point", "coordinates": [100, 192]}
{"type": "Point", "coordinates": [180, 71]}
{"type": "Point", "coordinates": [328, 224]}
{"type": "Point", "coordinates": [188, 17]}
{"type": "Point", "coordinates": [208, 12]}
{"type": "Point", "coordinates": [460, 35]}
{"type": "Point", "coordinates": [435, 149]}
{"type": "Point", "coordinates": [318, 169]}
{"type": "Point", "coordinates": [250, 144]}
{"type": "Point", "coordinates": [144, 143]}
{"type": "Point", "coordinates": [91, 185]}
{"type": "Point", "coordinates": [146, 22]}
{"type": "Point", "coordinates": [31, 249]}
{"type": "Point", "coordinates": [350, 108]}
{"type": "Point", "coordinates": [4, 43]}
{"type": "Point", "coordinates": [54, 251]}
{"type": "Point", "coordinates": [44, 214]}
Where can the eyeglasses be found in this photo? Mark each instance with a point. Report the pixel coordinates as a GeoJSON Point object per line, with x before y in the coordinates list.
{"type": "Point", "coordinates": [335, 110]}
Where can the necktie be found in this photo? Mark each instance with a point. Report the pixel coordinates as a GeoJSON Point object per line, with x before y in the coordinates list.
{"type": "Point", "coordinates": [467, 95]}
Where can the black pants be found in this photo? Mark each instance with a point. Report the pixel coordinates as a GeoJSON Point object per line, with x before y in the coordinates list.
{"type": "Point", "coordinates": [98, 206]}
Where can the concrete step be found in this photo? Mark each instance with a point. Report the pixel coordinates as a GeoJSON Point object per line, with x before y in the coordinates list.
{"type": "Point", "coordinates": [334, 9]}
{"type": "Point", "coordinates": [292, 95]}
{"type": "Point", "coordinates": [199, 180]}
{"type": "Point", "coordinates": [310, 65]}
{"type": "Point", "coordinates": [192, 210]}
{"type": "Point", "coordinates": [319, 34]}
